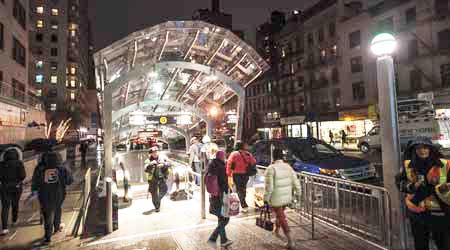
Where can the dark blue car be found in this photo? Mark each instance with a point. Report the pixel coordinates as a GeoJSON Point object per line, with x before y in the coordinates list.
{"type": "Point", "coordinates": [315, 156]}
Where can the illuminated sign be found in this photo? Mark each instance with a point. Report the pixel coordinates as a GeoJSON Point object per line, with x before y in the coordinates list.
{"type": "Point", "coordinates": [184, 120]}
{"type": "Point", "coordinates": [163, 120]}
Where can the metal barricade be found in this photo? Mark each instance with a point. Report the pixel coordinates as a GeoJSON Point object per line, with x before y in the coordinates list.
{"type": "Point", "coordinates": [360, 209]}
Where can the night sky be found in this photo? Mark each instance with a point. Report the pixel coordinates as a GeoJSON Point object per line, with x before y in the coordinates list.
{"type": "Point", "coordinates": [114, 19]}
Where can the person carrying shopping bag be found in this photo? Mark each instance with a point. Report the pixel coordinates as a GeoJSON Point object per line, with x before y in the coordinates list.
{"type": "Point", "coordinates": [217, 185]}
{"type": "Point", "coordinates": [280, 181]}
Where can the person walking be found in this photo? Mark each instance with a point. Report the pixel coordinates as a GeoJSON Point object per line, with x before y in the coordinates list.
{"type": "Point", "coordinates": [157, 170]}
{"type": "Point", "coordinates": [194, 158]}
{"type": "Point", "coordinates": [12, 174]}
{"type": "Point", "coordinates": [126, 178]}
{"type": "Point", "coordinates": [49, 184]}
{"type": "Point", "coordinates": [238, 165]}
{"type": "Point", "coordinates": [217, 168]}
{"type": "Point", "coordinates": [280, 182]}
{"type": "Point", "coordinates": [426, 181]}
{"type": "Point", "coordinates": [343, 138]}
{"type": "Point", "coordinates": [330, 134]}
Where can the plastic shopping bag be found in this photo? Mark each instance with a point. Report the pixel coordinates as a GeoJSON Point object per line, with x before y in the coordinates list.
{"type": "Point", "coordinates": [231, 205]}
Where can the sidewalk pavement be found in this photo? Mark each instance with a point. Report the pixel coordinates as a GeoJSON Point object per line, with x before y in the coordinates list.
{"type": "Point", "coordinates": [28, 232]}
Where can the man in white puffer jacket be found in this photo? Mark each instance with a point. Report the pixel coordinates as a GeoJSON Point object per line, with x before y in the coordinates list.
{"type": "Point", "coordinates": [280, 181]}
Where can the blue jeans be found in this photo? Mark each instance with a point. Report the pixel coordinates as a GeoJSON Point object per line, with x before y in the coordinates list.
{"type": "Point", "coordinates": [196, 167]}
{"type": "Point", "coordinates": [220, 230]}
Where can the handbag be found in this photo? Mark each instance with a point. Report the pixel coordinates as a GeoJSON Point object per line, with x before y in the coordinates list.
{"type": "Point", "coordinates": [264, 220]}
{"type": "Point", "coordinates": [251, 168]}
{"type": "Point", "coordinates": [231, 205]}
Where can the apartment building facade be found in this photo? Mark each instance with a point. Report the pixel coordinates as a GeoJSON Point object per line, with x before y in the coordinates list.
{"type": "Point", "coordinates": [330, 83]}
{"type": "Point", "coordinates": [61, 68]}
{"type": "Point", "coordinates": [20, 111]}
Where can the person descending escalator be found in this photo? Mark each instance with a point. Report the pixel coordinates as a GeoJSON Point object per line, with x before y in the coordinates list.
{"type": "Point", "coordinates": [157, 170]}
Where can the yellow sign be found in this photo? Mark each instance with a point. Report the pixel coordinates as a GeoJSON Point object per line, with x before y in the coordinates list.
{"type": "Point", "coordinates": [163, 120]}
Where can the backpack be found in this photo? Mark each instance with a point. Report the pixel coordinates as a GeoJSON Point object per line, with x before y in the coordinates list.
{"type": "Point", "coordinates": [212, 185]}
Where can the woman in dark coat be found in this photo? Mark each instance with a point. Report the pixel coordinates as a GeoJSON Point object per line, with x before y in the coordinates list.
{"type": "Point", "coordinates": [217, 168]}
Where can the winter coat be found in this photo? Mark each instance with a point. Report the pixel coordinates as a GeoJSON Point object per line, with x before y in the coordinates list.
{"type": "Point", "coordinates": [50, 182]}
{"type": "Point", "coordinates": [280, 181]}
{"type": "Point", "coordinates": [12, 170]}
{"type": "Point", "coordinates": [239, 161]}
{"type": "Point", "coordinates": [217, 168]}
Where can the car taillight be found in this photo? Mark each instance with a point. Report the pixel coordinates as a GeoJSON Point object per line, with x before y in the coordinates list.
{"type": "Point", "coordinates": [438, 137]}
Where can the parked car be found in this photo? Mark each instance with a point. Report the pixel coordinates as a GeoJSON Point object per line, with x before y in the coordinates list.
{"type": "Point", "coordinates": [121, 147]}
{"type": "Point", "coordinates": [315, 156]}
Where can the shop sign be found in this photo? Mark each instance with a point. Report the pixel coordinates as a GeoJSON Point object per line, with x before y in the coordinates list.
{"type": "Point", "coordinates": [354, 115]}
{"type": "Point", "coordinates": [292, 120]}
{"type": "Point", "coordinates": [184, 120]}
{"type": "Point", "coordinates": [232, 118]}
{"type": "Point", "coordinates": [152, 134]}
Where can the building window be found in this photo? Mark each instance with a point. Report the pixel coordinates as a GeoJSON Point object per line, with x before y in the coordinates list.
{"type": "Point", "coordinates": [40, 9]}
{"type": "Point", "coordinates": [55, 12]}
{"type": "Point", "coordinates": [39, 78]}
{"type": "Point", "coordinates": [355, 39]}
{"type": "Point", "coordinates": [40, 23]}
{"type": "Point", "coordinates": [2, 37]}
{"type": "Point", "coordinates": [73, 83]}
{"type": "Point", "coordinates": [337, 97]}
{"type": "Point", "coordinates": [39, 92]}
{"type": "Point", "coordinates": [416, 80]}
{"type": "Point", "coordinates": [18, 90]}
{"type": "Point", "coordinates": [73, 26]}
{"type": "Point", "coordinates": [356, 64]}
{"type": "Point", "coordinates": [39, 64]}
{"type": "Point", "coordinates": [19, 13]}
{"type": "Point", "coordinates": [444, 39]}
{"type": "Point", "coordinates": [412, 49]}
{"type": "Point", "coordinates": [54, 65]}
{"type": "Point", "coordinates": [334, 50]}
{"type": "Point", "coordinates": [332, 29]}
{"type": "Point", "coordinates": [301, 82]}
{"type": "Point", "coordinates": [321, 34]}
{"type": "Point", "coordinates": [53, 107]}
{"type": "Point", "coordinates": [386, 25]}
{"type": "Point", "coordinates": [72, 96]}
{"type": "Point", "coordinates": [73, 33]}
{"type": "Point", "coordinates": [445, 75]}
{"type": "Point", "coordinates": [54, 38]}
{"type": "Point", "coordinates": [73, 70]}
{"type": "Point", "coordinates": [359, 93]}
{"type": "Point", "coordinates": [283, 52]}
{"type": "Point", "coordinates": [18, 52]}
{"type": "Point", "coordinates": [411, 15]}
{"type": "Point", "coordinates": [1, 81]}
{"type": "Point", "coordinates": [39, 37]}
{"type": "Point", "coordinates": [54, 52]}
{"type": "Point", "coordinates": [335, 75]}
{"type": "Point", "coordinates": [441, 7]}
{"type": "Point", "coordinates": [54, 24]}
{"type": "Point", "coordinates": [310, 39]}
{"type": "Point", "coordinates": [54, 79]}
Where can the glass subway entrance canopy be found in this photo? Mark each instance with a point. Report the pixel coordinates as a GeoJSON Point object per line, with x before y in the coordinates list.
{"type": "Point", "coordinates": [171, 67]}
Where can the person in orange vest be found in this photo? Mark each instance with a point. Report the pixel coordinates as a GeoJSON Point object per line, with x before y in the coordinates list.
{"type": "Point", "coordinates": [427, 177]}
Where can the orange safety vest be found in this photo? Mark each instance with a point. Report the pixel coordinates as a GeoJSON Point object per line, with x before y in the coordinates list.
{"type": "Point", "coordinates": [436, 176]}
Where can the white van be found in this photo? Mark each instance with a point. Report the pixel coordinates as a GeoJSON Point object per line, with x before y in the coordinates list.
{"type": "Point", "coordinates": [437, 130]}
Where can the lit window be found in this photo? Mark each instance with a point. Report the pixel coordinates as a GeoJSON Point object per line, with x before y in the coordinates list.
{"type": "Point", "coordinates": [54, 24]}
{"type": "Point", "coordinates": [54, 79]}
{"type": "Point", "coordinates": [53, 107]}
{"type": "Point", "coordinates": [73, 33]}
{"type": "Point", "coordinates": [73, 83]}
{"type": "Point", "coordinates": [73, 26]}
{"type": "Point", "coordinates": [40, 23]}
{"type": "Point", "coordinates": [55, 12]}
{"type": "Point", "coordinates": [39, 92]}
{"type": "Point", "coordinates": [39, 64]}
{"type": "Point", "coordinates": [39, 78]}
{"type": "Point", "coordinates": [72, 96]}
{"type": "Point", "coordinates": [73, 70]}
{"type": "Point", "coordinates": [54, 65]}
{"type": "Point", "coordinates": [40, 9]}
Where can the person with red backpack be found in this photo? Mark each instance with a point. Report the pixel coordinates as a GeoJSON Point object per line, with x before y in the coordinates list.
{"type": "Point", "coordinates": [217, 185]}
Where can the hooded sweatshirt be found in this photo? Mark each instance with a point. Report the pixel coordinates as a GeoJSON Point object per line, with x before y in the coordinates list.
{"type": "Point", "coordinates": [12, 170]}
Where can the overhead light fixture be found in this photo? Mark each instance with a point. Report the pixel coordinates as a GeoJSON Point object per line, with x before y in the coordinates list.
{"type": "Point", "coordinates": [154, 39]}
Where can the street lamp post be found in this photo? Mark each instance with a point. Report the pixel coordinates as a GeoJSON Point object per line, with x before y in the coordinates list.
{"type": "Point", "coordinates": [383, 45]}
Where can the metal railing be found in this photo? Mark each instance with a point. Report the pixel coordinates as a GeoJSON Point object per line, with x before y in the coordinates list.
{"type": "Point", "coordinates": [360, 209]}
{"type": "Point", "coordinates": [13, 93]}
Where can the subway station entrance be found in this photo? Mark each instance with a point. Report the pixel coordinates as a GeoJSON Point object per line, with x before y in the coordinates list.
{"type": "Point", "coordinates": [182, 73]}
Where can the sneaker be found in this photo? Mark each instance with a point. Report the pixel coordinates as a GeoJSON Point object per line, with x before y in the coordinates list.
{"type": "Point", "coordinates": [46, 242]}
{"type": "Point", "coordinates": [245, 210]}
{"type": "Point", "coordinates": [4, 232]}
{"type": "Point", "coordinates": [212, 244]}
{"type": "Point", "coordinates": [226, 244]}
{"type": "Point", "coordinates": [157, 210]}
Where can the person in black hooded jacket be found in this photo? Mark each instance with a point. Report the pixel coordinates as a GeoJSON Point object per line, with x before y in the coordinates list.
{"type": "Point", "coordinates": [216, 167]}
{"type": "Point", "coordinates": [50, 179]}
{"type": "Point", "coordinates": [12, 174]}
